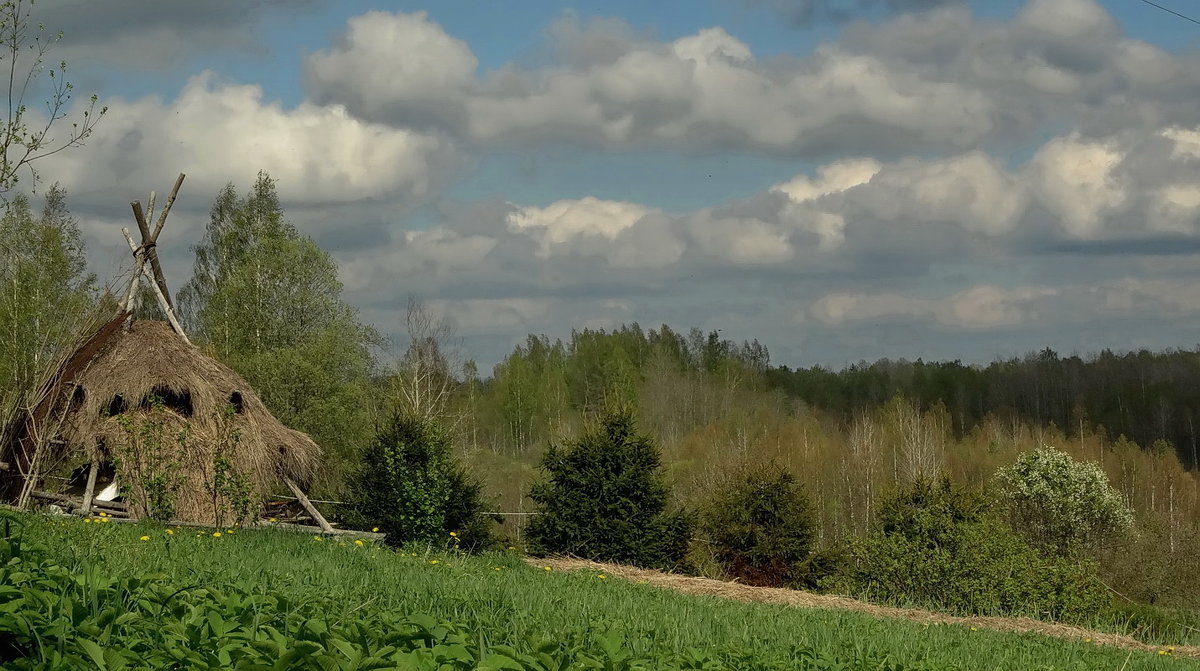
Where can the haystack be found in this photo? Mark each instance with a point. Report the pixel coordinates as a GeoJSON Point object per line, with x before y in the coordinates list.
{"type": "Point", "coordinates": [139, 403]}
{"type": "Point", "coordinates": [148, 378]}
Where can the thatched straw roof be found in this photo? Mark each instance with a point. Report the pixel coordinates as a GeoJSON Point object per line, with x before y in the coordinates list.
{"type": "Point", "coordinates": [111, 401]}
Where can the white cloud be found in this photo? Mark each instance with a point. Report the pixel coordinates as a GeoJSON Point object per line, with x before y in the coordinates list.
{"type": "Point", "coordinates": [218, 133]}
{"type": "Point", "coordinates": [626, 235]}
{"type": "Point", "coordinates": [706, 89]}
{"type": "Point", "coordinates": [1076, 180]}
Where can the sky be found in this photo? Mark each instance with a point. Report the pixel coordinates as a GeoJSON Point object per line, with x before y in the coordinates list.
{"type": "Point", "coordinates": [842, 180]}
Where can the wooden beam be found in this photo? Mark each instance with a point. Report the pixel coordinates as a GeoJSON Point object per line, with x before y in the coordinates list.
{"type": "Point", "coordinates": [162, 300]}
{"type": "Point", "coordinates": [312, 510]}
{"type": "Point", "coordinates": [162, 218]}
{"type": "Point", "coordinates": [148, 244]}
{"type": "Point", "coordinates": [90, 489]}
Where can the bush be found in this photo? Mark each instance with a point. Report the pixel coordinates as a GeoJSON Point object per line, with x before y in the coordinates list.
{"type": "Point", "coordinates": [1060, 503]}
{"type": "Point", "coordinates": [413, 489]}
{"type": "Point", "coordinates": [606, 499]}
{"type": "Point", "coordinates": [761, 527]}
{"type": "Point", "coordinates": [938, 545]}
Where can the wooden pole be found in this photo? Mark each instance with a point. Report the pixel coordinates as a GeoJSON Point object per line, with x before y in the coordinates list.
{"type": "Point", "coordinates": [148, 244]}
{"type": "Point", "coordinates": [162, 300]}
{"type": "Point", "coordinates": [162, 218]}
{"type": "Point", "coordinates": [90, 490]}
{"type": "Point", "coordinates": [312, 510]}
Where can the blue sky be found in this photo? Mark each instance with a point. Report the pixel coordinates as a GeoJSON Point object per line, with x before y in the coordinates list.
{"type": "Point", "coordinates": [870, 178]}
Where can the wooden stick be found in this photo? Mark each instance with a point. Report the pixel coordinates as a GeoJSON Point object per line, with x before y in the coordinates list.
{"type": "Point", "coordinates": [90, 489]}
{"type": "Point", "coordinates": [162, 218]}
{"type": "Point", "coordinates": [148, 243]}
{"type": "Point", "coordinates": [316, 515]}
{"type": "Point", "coordinates": [162, 300]}
{"type": "Point", "coordinates": [150, 209]}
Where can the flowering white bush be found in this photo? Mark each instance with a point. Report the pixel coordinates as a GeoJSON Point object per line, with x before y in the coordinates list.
{"type": "Point", "coordinates": [1057, 501]}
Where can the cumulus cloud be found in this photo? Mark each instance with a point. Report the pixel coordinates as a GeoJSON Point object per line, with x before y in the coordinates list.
{"type": "Point", "coordinates": [701, 90]}
{"type": "Point", "coordinates": [932, 81]}
{"type": "Point", "coordinates": [222, 132]}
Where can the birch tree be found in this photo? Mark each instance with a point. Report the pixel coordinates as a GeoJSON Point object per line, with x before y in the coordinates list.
{"type": "Point", "coordinates": [268, 301]}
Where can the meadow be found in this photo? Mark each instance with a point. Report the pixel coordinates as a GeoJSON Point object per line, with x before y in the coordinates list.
{"type": "Point", "coordinates": [259, 599]}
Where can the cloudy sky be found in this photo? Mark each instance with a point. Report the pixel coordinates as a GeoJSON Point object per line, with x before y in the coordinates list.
{"type": "Point", "coordinates": [841, 179]}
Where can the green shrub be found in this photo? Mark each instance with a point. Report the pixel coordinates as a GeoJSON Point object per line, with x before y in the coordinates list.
{"type": "Point", "coordinates": [938, 545]}
{"type": "Point", "coordinates": [606, 499]}
{"type": "Point", "coordinates": [412, 488]}
{"type": "Point", "coordinates": [1061, 503]}
{"type": "Point", "coordinates": [761, 527]}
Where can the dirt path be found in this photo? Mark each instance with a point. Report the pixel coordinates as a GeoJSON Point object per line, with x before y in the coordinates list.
{"type": "Point", "coordinates": [790, 597]}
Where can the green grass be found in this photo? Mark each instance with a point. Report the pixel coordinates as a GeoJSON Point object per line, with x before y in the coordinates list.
{"type": "Point", "coordinates": [509, 602]}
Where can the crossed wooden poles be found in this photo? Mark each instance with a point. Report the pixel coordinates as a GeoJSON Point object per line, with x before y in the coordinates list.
{"type": "Point", "coordinates": [146, 252]}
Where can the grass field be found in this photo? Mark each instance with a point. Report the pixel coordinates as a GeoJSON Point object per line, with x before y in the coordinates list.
{"type": "Point", "coordinates": [498, 600]}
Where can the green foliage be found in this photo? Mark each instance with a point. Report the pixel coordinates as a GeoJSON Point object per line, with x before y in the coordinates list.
{"type": "Point", "coordinates": [268, 301]}
{"type": "Point", "coordinates": [54, 618]}
{"type": "Point", "coordinates": [937, 545]}
{"type": "Point", "coordinates": [1062, 503]}
{"type": "Point", "coordinates": [230, 488]}
{"type": "Point", "coordinates": [761, 527]}
{"type": "Point", "coordinates": [45, 291]}
{"type": "Point", "coordinates": [413, 489]}
{"type": "Point", "coordinates": [606, 499]}
{"type": "Point", "coordinates": [147, 455]}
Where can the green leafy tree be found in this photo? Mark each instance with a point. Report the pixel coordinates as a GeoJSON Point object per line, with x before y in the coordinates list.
{"type": "Point", "coordinates": [413, 489]}
{"type": "Point", "coordinates": [761, 527]}
{"type": "Point", "coordinates": [1062, 503]}
{"type": "Point", "coordinates": [45, 289]}
{"type": "Point", "coordinates": [940, 545]}
{"type": "Point", "coordinates": [606, 499]}
{"type": "Point", "coordinates": [268, 301]}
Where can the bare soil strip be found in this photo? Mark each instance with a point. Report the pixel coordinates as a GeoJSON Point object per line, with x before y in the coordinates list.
{"type": "Point", "coordinates": [791, 597]}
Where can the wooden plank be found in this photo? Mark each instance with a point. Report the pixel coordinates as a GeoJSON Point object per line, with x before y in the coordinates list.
{"type": "Point", "coordinates": [312, 510]}
{"type": "Point", "coordinates": [90, 490]}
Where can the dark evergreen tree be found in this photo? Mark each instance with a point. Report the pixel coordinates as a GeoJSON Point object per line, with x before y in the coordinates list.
{"type": "Point", "coordinates": [606, 499]}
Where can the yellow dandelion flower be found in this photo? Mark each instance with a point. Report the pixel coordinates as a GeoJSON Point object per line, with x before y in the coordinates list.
{"type": "Point", "coordinates": [547, 568]}
{"type": "Point", "coordinates": [317, 538]}
{"type": "Point", "coordinates": [229, 531]}
{"type": "Point", "coordinates": [216, 534]}
{"type": "Point", "coordinates": [511, 548]}
{"type": "Point", "coordinates": [272, 520]}
{"type": "Point", "coordinates": [498, 568]}
{"type": "Point", "coordinates": [454, 534]}
{"type": "Point", "coordinates": [375, 529]}
{"type": "Point", "coordinates": [87, 520]}
{"type": "Point", "coordinates": [144, 538]}
{"type": "Point", "coordinates": [358, 542]}
{"type": "Point", "coordinates": [434, 561]}
{"type": "Point", "coordinates": [602, 576]}
{"type": "Point", "coordinates": [103, 514]}
{"type": "Point", "coordinates": [106, 520]}
{"type": "Point", "coordinates": [1162, 652]}
{"type": "Point", "coordinates": [974, 629]}
{"type": "Point", "coordinates": [170, 532]}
